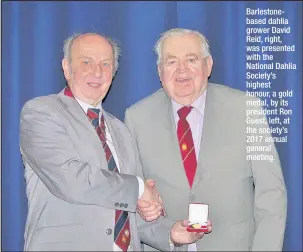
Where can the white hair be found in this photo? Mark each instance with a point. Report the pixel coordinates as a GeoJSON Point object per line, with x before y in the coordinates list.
{"type": "Point", "coordinates": [70, 40]}
{"type": "Point", "coordinates": [179, 32]}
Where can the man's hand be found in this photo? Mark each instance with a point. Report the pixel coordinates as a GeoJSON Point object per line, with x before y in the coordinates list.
{"type": "Point", "coordinates": [180, 235]}
{"type": "Point", "coordinates": [149, 206]}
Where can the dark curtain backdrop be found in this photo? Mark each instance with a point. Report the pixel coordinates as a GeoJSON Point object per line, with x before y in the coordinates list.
{"type": "Point", "coordinates": [32, 36]}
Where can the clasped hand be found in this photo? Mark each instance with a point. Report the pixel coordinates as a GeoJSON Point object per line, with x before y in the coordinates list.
{"type": "Point", "coordinates": [150, 205]}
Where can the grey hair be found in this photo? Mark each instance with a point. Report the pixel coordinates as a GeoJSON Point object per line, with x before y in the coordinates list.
{"type": "Point", "coordinates": [179, 32]}
{"type": "Point", "coordinates": [67, 46]}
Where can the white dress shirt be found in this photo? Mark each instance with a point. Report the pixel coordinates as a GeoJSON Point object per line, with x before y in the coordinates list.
{"type": "Point", "coordinates": [111, 146]}
{"type": "Point", "coordinates": [195, 121]}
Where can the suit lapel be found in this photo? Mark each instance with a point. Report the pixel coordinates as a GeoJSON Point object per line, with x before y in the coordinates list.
{"type": "Point", "coordinates": [166, 121]}
{"type": "Point", "coordinates": [73, 107]}
{"type": "Point", "coordinates": [213, 114]}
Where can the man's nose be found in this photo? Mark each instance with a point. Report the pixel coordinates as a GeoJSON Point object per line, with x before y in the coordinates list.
{"type": "Point", "coordinates": [182, 66]}
{"type": "Point", "coordinates": [97, 71]}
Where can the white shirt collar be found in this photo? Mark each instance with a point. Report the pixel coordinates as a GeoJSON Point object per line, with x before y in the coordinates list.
{"type": "Point", "coordinates": [86, 106]}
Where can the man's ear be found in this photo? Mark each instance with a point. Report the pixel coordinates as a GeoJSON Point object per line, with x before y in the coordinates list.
{"type": "Point", "coordinates": [159, 70]}
{"type": "Point", "coordinates": [209, 63]}
{"type": "Point", "coordinates": [66, 68]}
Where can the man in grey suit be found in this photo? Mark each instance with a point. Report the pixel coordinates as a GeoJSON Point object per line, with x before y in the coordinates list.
{"type": "Point", "coordinates": [196, 147]}
{"type": "Point", "coordinates": [83, 176]}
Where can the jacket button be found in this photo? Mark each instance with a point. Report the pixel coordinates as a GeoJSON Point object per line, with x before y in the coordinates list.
{"type": "Point", "coordinates": [125, 205]}
{"type": "Point", "coordinates": [109, 231]}
{"type": "Point", "coordinates": [116, 204]}
{"type": "Point", "coordinates": [121, 205]}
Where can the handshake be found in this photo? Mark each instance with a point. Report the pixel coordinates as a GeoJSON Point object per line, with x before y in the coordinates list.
{"type": "Point", "coordinates": [150, 207]}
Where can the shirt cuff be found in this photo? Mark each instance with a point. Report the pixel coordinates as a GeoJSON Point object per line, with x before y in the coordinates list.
{"type": "Point", "coordinates": [171, 244]}
{"type": "Point", "coordinates": [141, 187]}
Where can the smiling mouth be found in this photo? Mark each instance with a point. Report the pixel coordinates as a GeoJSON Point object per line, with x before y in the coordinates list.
{"type": "Point", "coordinates": [94, 85]}
{"type": "Point", "coordinates": [182, 80]}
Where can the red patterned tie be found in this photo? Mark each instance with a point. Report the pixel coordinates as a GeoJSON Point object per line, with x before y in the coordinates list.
{"type": "Point", "coordinates": [122, 234]}
{"type": "Point", "coordinates": [186, 144]}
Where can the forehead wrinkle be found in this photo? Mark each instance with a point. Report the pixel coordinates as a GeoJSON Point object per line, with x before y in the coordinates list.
{"type": "Point", "coordinates": [191, 54]}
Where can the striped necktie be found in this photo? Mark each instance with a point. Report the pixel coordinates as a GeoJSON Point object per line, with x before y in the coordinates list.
{"type": "Point", "coordinates": [122, 231]}
{"type": "Point", "coordinates": [186, 145]}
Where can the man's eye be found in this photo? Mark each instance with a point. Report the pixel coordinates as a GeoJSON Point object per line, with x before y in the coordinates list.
{"type": "Point", "coordinates": [86, 62]}
{"type": "Point", "coordinates": [106, 64]}
{"type": "Point", "coordinates": [192, 60]}
{"type": "Point", "coordinates": [170, 62]}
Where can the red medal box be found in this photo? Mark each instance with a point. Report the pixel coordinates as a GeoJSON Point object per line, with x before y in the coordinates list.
{"type": "Point", "coordinates": [197, 217]}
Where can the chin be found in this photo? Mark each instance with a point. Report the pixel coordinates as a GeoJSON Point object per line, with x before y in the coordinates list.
{"type": "Point", "coordinates": [184, 94]}
{"type": "Point", "coordinates": [91, 98]}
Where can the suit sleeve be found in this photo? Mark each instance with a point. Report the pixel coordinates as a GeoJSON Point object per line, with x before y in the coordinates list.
{"type": "Point", "coordinates": [270, 205]}
{"type": "Point", "coordinates": [154, 233]}
{"type": "Point", "coordinates": [47, 148]}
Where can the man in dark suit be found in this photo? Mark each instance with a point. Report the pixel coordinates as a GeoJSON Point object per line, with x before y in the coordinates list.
{"type": "Point", "coordinates": [84, 179]}
{"type": "Point", "coordinates": [195, 150]}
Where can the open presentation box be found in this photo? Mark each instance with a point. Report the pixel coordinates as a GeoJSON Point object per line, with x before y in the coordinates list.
{"type": "Point", "coordinates": [197, 216]}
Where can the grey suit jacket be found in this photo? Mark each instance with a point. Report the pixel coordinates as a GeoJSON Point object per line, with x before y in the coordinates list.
{"type": "Point", "coordinates": [247, 199]}
{"type": "Point", "coordinates": [72, 196]}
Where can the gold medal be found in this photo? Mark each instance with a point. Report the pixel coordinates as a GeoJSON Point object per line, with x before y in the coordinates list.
{"type": "Point", "coordinates": [184, 147]}
{"type": "Point", "coordinates": [126, 232]}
